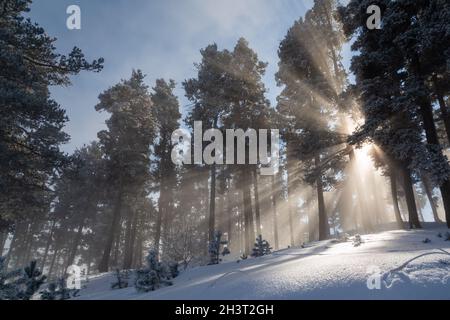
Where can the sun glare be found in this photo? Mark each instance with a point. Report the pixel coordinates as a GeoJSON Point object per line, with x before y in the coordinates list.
{"type": "Point", "coordinates": [362, 156]}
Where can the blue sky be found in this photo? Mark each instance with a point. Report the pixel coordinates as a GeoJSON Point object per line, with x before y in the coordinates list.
{"type": "Point", "coordinates": [160, 37]}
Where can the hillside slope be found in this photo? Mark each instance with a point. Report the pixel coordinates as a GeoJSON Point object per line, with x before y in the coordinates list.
{"type": "Point", "coordinates": [322, 270]}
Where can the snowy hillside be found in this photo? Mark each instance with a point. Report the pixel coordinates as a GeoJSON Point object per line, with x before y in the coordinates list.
{"type": "Point", "coordinates": [322, 270]}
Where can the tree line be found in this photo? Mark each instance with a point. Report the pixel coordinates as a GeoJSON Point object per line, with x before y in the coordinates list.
{"type": "Point", "coordinates": [104, 205]}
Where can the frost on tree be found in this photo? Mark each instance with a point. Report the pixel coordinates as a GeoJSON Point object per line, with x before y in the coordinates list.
{"type": "Point", "coordinates": [214, 248]}
{"type": "Point", "coordinates": [58, 291]}
{"type": "Point", "coordinates": [154, 276]}
{"type": "Point", "coordinates": [8, 289]}
{"type": "Point", "coordinates": [19, 284]}
{"type": "Point", "coordinates": [261, 248]}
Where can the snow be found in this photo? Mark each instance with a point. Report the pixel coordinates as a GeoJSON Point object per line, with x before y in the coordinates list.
{"type": "Point", "coordinates": [407, 268]}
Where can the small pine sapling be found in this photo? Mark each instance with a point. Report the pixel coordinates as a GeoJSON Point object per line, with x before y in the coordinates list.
{"type": "Point", "coordinates": [357, 240]}
{"type": "Point", "coordinates": [8, 287]}
{"type": "Point", "coordinates": [153, 276]}
{"type": "Point", "coordinates": [30, 281]}
{"type": "Point", "coordinates": [225, 251]}
{"type": "Point", "coordinates": [59, 291]}
{"type": "Point", "coordinates": [261, 248]}
{"type": "Point", "coordinates": [214, 248]}
{"type": "Point", "coordinates": [122, 278]}
{"type": "Point", "coordinates": [173, 269]}
{"type": "Point", "coordinates": [51, 293]}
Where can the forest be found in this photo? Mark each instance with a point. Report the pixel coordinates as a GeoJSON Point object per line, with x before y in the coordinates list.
{"type": "Point", "coordinates": [361, 150]}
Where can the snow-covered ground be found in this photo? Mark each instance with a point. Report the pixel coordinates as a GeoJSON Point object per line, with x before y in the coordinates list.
{"type": "Point", "coordinates": [322, 270]}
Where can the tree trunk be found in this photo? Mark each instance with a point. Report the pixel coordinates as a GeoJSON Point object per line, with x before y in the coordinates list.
{"type": "Point", "coordinates": [257, 204]}
{"type": "Point", "coordinates": [312, 220]}
{"type": "Point", "coordinates": [138, 248]}
{"type": "Point", "coordinates": [30, 253]}
{"type": "Point", "coordinates": [22, 245]}
{"type": "Point", "coordinates": [117, 243]}
{"type": "Point", "coordinates": [212, 204]}
{"type": "Point", "coordinates": [52, 264]}
{"type": "Point", "coordinates": [432, 139]}
{"type": "Point", "coordinates": [104, 263]}
{"type": "Point", "coordinates": [3, 237]}
{"type": "Point", "coordinates": [394, 194]}
{"type": "Point", "coordinates": [290, 198]}
{"type": "Point", "coordinates": [291, 222]}
{"type": "Point", "coordinates": [429, 191]}
{"type": "Point", "coordinates": [229, 215]}
{"type": "Point", "coordinates": [323, 220]}
{"type": "Point", "coordinates": [75, 244]}
{"type": "Point", "coordinates": [426, 111]}
{"type": "Point", "coordinates": [414, 222]}
{"type": "Point", "coordinates": [249, 235]}
{"type": "Point", "coordinates": [275, 213]}
{"type": "Point", "coordinates": [212, 196]}
{"type": "Point", "coordinates": [159, 216]}
{"type": "Point", "coordinates": [444, 112]}
{"type": "Point", "coordinates": [126, 246]}
{"type": "Point", "coordinates": [48, 244]}
{"type": "Point", "coordinates": [130, 240]}
{"type": "Point", "coordinates": [11, 247]}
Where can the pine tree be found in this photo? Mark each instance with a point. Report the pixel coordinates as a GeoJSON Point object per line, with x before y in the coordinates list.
{"type": "Point", "coordinates": [126, 144]}
{"type": "Point", "coordinates": [261, 248]}
{"type": "Point", "coordinates": [8, 287]}
{"type": "Point", "coordinates": [154, 275]}
{"type": "Point", "coordinates": [31, 121]}
{"type": "Point", "coordinates": [29, 282]}
{"type": "Point", "coordinates": [207, 94]}
{"type": "Point", "coordinates": [166, 114]}
{"type": "Point", "coordinates": [248, 109]}
{"type": "Point", "coordinates": [308, 102]}
{"type": "Point", "coordinates": [214, 248]}
{"type": "Point", "coordinates": [394, 98]}
{"type": "Point", "coordinates": [58, 291]}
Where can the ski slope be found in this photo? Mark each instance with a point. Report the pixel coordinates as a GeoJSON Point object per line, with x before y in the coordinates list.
{"type": "Point", "coordinates": [322, 270]}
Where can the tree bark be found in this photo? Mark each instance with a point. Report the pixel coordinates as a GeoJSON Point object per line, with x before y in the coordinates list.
{"type": "Point", "coordinates": [11, 247]}
{"type": "Point", "coordinates": [429, 191]}
{"type": "Point", "coordinates": [312, 218]}
{"type": "Point", "coordinates": [414, 222]}
{"type": "Point", "coordinates": [275, 213]}
{"type": "Point", "coordinates": [48, 244]}
{"type": "Point", "coordinates": [249, 235]}
{"type": "Point", "coordinates": [75, 244]}
{"type": "Point", "coordinates": [290, 198]}
{"type": "Point", "coordinates": [432, 139]}
{"type": "Point", "coordinates": [52, 264]}
{"type": "Point", "coordinates": [257, 203]}
{"type": "Point", "coordinates": [130, 240]}
{"type": "Point", "coordinates": [138, 248]}
{"type": "Point", "coordinates": [229, 216]}
{"type": "Point", "coordinates": [426, 111]}
{"type": "Point", "coordinates": [323, 220]}
{"type": "Point", "coordinates": [3, 237]}
{"type": "Point", "coordinates": [212, 204]}
{"type": "Point", "coordinates": [104, 263]}
{"type": "Point", "coordinates": [444, 110]}
{"type": "Point", "coordinates": [159, 216]}
{"type": "Point", "coordinates": [394, 194]}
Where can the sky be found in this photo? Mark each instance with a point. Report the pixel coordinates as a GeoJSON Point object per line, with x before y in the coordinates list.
{"type": "Point", "coordinates": [163, 38]}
